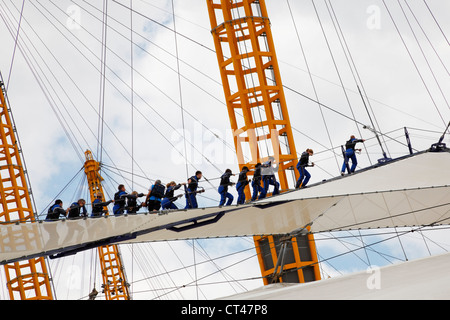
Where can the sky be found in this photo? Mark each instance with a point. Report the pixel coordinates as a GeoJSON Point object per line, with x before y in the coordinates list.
{"type": "Point", "coordinates": [56, 94]}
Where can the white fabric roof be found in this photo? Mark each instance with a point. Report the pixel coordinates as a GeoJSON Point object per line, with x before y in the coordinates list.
{"type": "Point", "coordinates": [406, 192]}
{"type": "Point", "coordinates": [422, 279]}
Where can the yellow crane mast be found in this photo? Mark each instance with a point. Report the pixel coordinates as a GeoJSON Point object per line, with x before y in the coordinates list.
{"type": "Point", "coordinates": [252, 86]}
{"type": "Point", "coordinates": [115, 285]}
{"type": "Point", "coordinates": [26, 280]}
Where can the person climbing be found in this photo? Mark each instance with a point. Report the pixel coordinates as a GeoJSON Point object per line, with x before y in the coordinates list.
{"type": "Point", "coordinates": [268, 177]}
{"type": "Point", "coordinates": [169, 198]}
{"type": "Point", "coordinates": [256, 182]}
{"type": "Point", "coordinates": [154, 196]}
{"type": "Point", "coordinates": [119, 200]}
{"type": "Point", "coordinates": [132, 206]}
{"type": "Point", "coordinates": [223, 188]}
{"type": "Point", "coordinates": [55, 211]}
{"type": "Point", "coordinates": [98, 205]}
{"type": "Point", "coordinates": [241, 184]}
{"type": "Point", "coordinates": [301, 167]}
{"type": "Point", "coordinates": [350, 154]}
{"type": "Point", "coordinates": [191, 191]}
{"type": "Point", "coordinates": [77, 210]}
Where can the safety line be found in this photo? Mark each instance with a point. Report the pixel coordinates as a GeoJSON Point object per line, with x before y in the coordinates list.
{"type": "Point", "coordinates": [15, 45]}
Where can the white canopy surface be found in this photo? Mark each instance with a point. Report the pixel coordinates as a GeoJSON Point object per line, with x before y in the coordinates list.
{"type": "Point", "coordinates": [412, 191]}
{"type": "Point", "coordinates": [422, 279]}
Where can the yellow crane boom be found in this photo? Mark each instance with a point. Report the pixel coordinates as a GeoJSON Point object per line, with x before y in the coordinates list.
{"type": "Point", "coordinates": [26, 280]}
{"type": "Point", "coordinates": [252, 86]}
{"type": "Point", "coordinates": [115, 285]}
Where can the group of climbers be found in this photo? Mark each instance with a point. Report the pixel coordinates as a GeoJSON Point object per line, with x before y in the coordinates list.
{"type": "Point", "coordinates": [76, 209]}
{"type": "Point", "coordinates": [160, 196]}
{"type": "Point", "coordinates": [263, 173]}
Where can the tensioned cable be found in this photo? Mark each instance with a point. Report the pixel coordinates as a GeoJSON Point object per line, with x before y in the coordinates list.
{"type": "Point", "coordinates": [187, 79]}
{"type": "Point", "coordinates": [62, 88]}
{"type": "Point", "coordinates": [355, 74]}
{"type": "Point", "coordinates": [162, 266]}
{"type": "Point", "coordinates": [368, 98]}
{"type": "Point", "coordinates": [55, 104]}
{"type": "Point", "coordinates": [200, 263]}
{"type": "Point", "coordinates": [178, 59]}
{"type": "Point", "coordinates": [426, 36]}
{"type": "Point", "coordinates": [211, 50]}
{"type": "Point", "coordinates": [15, 45]}
{"type": "Point", "coordinates": [395, 228]}
{"type": "Point", "coordinates": [378, 242]}
{"type": "Point", "coordinates": [437, 23]}
{"type": "Point", "coordinates": [44, 211]}
{"type": "Point", "coordinates": [44, 89]}
{"type": "Point", "coordinates": [287, 88]}
{"type": "Point", "coordinates": [132, 92]}
{"type": "Point", "coordinates": [180, 89]}
{"type": "Point", "coordinates": [182, 263]}
{"type": "Point", "coordinates": [64, 127]}
{"type": "Point", "coordinates": [98, 114]}
{"type": "Point", "coordinates": [414, 63]}
{"type": "Point", "coordinates": [19, 146]}
{"type": "Point", "coordinates": [101, 110]}
{"type": "Point", "coordinates": [208, 275]}
{"type": "Point", "coordinates": [389, 217]}
{"type": "Point", "coordinates": [323, 237]}
{"type": "Point", "coordinates": [311, 79]}
{"type": "Point", "coordinates": [58, 82]}
{"type": "Point", "coordinates": [335, 64]}
{"type": "Point", "coordinates": [359, 237]}
{"type": "Point", "coordinates": [214, 80]}
{"type": "Point", "coordinates": [143, 252]}
{"type": "Point", "coordinates": [112, 132]}
{"type": "Point", "coordinates": [146, 102]}
{"type": "Point", "coordinates": [168, 66]}
{"type": "Point", "coordinates": [423, 54]}
{"type": "Point", "coordinates": [225, 275]}
{"type": "Point", "coordinates": [382, 254]}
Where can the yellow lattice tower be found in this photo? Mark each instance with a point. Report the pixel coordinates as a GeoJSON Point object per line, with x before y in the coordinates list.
{"type": "Point", "coordinates": [252, 86]}
{"type": "Point", "coordinates": [26, 280]}
{"type": "Point", "coordinates": [115, 285]}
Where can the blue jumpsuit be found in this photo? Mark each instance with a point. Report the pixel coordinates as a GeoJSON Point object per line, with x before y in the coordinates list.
{"type": "Point", "coordinates": [256, 183]}
{"type": "Point", "coordinates": [304, 174]}
{"type": "Point", "coordinates": [350, 154]}
{"type": "Point", "coordinates": [119, 202]}
{"type": "Point", "coordinates": [223, 189]}
{"type": "Point", "coordinates": [240, 186]}
{"type": "Point", "coordinates": [268, 177]}
{"type": "Point", "coordinates": [191, 200]}
{"type": "Point", "coordinates": [167, 201]}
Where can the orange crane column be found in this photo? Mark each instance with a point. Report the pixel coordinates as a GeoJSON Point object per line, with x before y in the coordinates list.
{"type": "Point", "coordinates": [26, 280]}
{"type": "Point", "coordinates": [252, 86]}
{"type": "Point", "coordinates": [115, 285]}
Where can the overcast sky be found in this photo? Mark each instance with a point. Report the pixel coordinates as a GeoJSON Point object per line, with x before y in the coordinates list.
{"type": "Point", "coordinates": [55, 88]}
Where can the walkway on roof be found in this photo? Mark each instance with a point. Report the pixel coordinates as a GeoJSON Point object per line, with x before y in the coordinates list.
{"type": "Point", "coordinates": [412, 191]}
